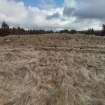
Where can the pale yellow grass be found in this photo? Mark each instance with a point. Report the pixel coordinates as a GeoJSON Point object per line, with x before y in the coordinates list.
{"type": "Point", "coordinates": [52, 70]}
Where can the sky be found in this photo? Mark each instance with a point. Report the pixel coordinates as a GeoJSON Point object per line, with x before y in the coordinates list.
{"type": "Point", "coordinates": [53, 14]}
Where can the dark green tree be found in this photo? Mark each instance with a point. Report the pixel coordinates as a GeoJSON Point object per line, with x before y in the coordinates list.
{"type": "Point", "coordinates": [103, 30]}
{"type": "Point", "coordinates": [4, 29]}
{"type": "Point", "coordinates": [5, 26]}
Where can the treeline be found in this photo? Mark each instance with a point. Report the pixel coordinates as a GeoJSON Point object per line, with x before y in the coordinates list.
{"type": "Point", "coordinates": [6, 30]}
{"type": "Point", "coordinates": [90, 31]}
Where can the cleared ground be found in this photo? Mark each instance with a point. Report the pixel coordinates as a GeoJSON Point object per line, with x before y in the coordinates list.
{"type": "Point", "coordinates": [52, 70]}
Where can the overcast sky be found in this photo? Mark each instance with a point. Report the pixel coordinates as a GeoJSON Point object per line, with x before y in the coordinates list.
{"type": "Point", "coordinates": [53, 14]}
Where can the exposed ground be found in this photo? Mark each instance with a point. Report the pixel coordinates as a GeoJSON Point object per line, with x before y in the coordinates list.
{"type": "Point", "coordinates": [52, 70]}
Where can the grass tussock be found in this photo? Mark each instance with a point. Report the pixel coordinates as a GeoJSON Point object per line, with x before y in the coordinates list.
{"type": "Point", "coordinates": [49, 70]}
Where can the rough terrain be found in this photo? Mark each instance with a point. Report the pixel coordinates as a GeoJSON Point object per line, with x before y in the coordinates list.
{"type": "Point", "coordinates": [52, 70]}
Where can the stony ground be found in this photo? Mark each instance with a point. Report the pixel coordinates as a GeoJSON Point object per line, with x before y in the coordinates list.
{"type": "Point", "coordinates": [52, 70]}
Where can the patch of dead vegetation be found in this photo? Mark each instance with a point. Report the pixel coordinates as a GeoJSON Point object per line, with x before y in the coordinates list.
{"type": "Point", "coordinates": [45, 72]}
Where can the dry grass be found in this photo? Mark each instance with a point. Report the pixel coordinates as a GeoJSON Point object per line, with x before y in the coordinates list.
{"type": "Point", "coordinates": [52, 70]}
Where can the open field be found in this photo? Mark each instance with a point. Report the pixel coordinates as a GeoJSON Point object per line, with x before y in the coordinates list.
{"type": "Point", "coordinates": [52, 70]}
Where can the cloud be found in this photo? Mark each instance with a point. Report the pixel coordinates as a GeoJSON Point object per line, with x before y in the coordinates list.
{"type": "Point", "coordinates": [86, 9]}
{"type": "Point", "coordinates": [68, 11]}
{"type": "Point", "coordinates": [91, 9]}
{"type": "Point", "coordinates": [15, 12]}
{"type": "Point", "coordinates": [53, 16]}
{"type": "Point", "coordinates": [74, 14]}
{"type": "Point", "coordinates": [12, 11]}
{"type": "Point", "coordinates": [70, 3]}
{"type": "Point", "coordinates": [87, 13]}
